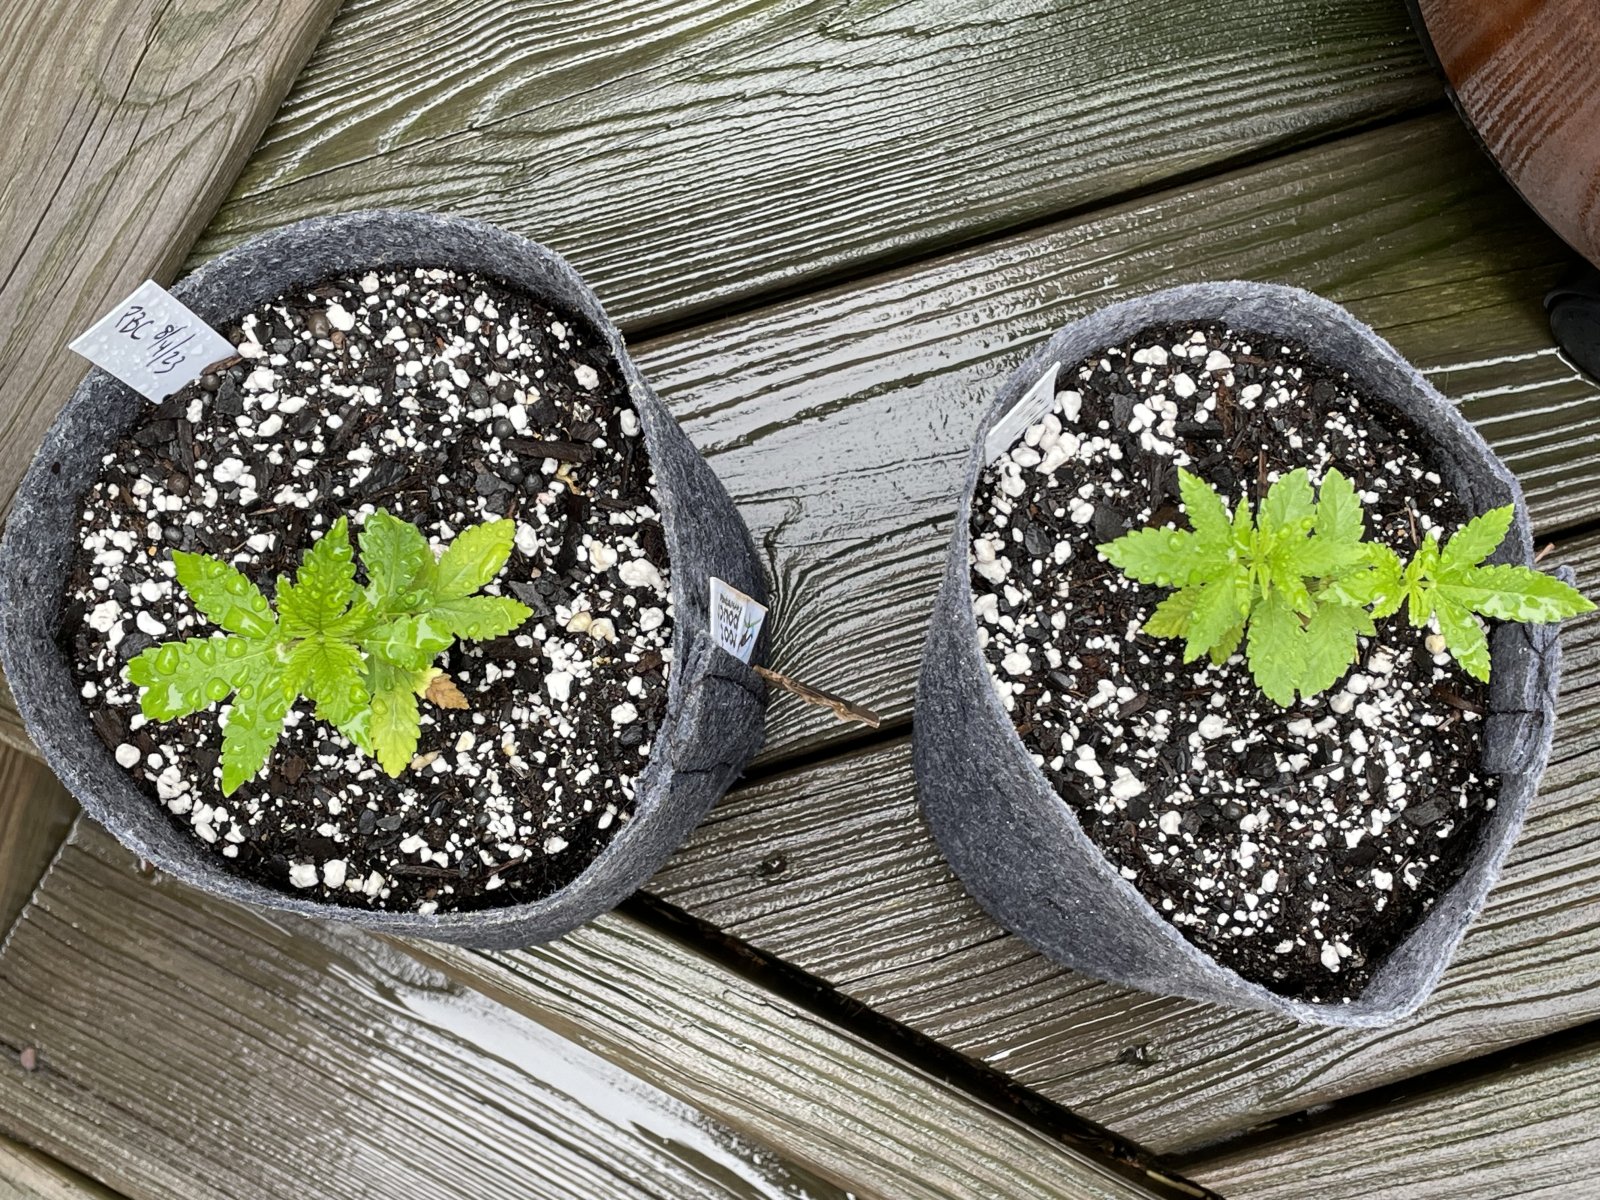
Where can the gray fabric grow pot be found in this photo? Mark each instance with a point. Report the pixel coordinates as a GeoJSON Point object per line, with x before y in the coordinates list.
{"type": "Point", "coordinates": [716, 704]}
{"type": "Point", "coordinates": [1015, 843]}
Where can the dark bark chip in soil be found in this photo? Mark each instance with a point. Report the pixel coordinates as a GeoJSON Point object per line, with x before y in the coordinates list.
{"type": "Point", "coordinates": [1296, 846]}
{"type": "Point", "coordinates": [448, 400]}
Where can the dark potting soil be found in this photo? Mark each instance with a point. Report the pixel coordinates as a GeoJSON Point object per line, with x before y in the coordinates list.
{"type": "Point", "coordinates": [1297, 846]}
{"type": "Point", "coordinates": [449, 401]}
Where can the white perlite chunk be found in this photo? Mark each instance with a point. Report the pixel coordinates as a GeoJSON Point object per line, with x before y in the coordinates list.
{"type": "Point", "coordinates": [340, 318]}
{"type": "Point", "coordinates": [127, 756]}
{"type": "Point", "coordinates": [333, 872]}
{"type": "Point", "coordinates": [641, 573]}
{"type": "Point", "coordinates": [303, 874]}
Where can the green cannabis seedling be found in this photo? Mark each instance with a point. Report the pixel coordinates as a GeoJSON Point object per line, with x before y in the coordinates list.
{"type": "Point", "coordinates": [1296, 583]}
{"type": "Point", "coordinates": [362, 656]}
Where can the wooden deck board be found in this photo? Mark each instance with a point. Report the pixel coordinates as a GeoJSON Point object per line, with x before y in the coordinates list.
{"type": "Point", "coordinates": [25, 1174]}
{"type": "Point", "coordinates": [126, 122]}
{"type": "Point", "coordinates": [688, 154]}
{"type": "Point", "coordinates": [1525, 1132]}
{"type": "Point", "coordinates": [861, 899]}
{"type": "Point", "coordinates": [35, 814]}
{"type": "Point", "coordinates": [187, 1047]}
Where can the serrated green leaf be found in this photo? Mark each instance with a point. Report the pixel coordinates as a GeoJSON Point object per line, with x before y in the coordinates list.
{"type": "Point", "coordinates": [479, 618]}
{"type": "Point", "coordinates": [1171, 616]}
{"type": "Point", "coordinates": [1289, 503]}
{"type": "Point", "coordinates": [323, 586]}
{"type": "Point", "coordinates": [254, 724]}
{"type": "Point", "coordinates": [1339, 515]}
{"type": "Point", "coordinates": [473, 558]}
{"type": "Point", "coordinates": [331, 673]}
{"type": "Point", "coordinates": [1329, 647]}
{"type": "Point", "coordinates": [1208, 515]}
{"type": "Point", "coordinates": [1510, 593]}
{"type": "Point", "coordinates": [1243, 527]}
{"type": "Point", "coordinates": [1377, 582]}
{"type": "Point", "coordinates": [1417, 581]}
{"type": "Point", "coordinates": [399, 563]}
{"type": "Point", "coordinates": [1464, 637]}
{"type": "Point", "coordinates": [1285, 579]}
{"type": "Point", "coordinates": [393, 724]}
{"type": "Point", "coordinates": [1476, 540]}
{"type": "Point", "coordinates": [180, 678]}
{"type": "Point", "coordinates": [1276, 650]}
{"type": "Point", "coordinates": [1318, 557]}
{"type": "Point", "coordinates": [1163, 557]}
{"type": "Point", "coordinates": [223, 595]}
{"type": "Point", "coordinates": [1224, 650]}
{"type": "Point", "coordinates": [411, 642]}
{"type": "Point", "coordinates": [1217, 610]}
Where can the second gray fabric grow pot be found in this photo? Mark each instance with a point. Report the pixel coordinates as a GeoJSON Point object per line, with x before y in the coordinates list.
{"type": "Point", "coordinates": [1017, 846]}
{"type": "Point", "coordinates": [716, 704]}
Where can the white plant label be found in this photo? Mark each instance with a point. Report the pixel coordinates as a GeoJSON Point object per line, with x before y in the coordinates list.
{"type": "Point", "coordinates": [735, 619]}
{"type": "Point", "coordinates": [152, 343]}
{"type": "Point", "coordinates": [1031, 408]}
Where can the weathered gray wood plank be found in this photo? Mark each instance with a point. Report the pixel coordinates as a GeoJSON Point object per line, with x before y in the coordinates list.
{"type": "Point", "coordinates": [35, 814]}
{"type": "Point", "coordinates": [830, 868]}
{"type": "Point", "coordinates": [1527, 1132]}
{"type": "Point", "coordinates": [856, 1113]}
{"type": "Point", "coordinates": [841, 422]}
{"type": "Point", "coordinates": [126, 122]}
{"type": "Point", "coordinates": [187, 1047]}
{"type": "Point", "coordinates": [25, 1174]}
{"type": "Point", "coordinates": [689, 154]}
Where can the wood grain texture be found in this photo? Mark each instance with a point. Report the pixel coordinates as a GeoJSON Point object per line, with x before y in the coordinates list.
{"type": "Point", "coordinates": [190, 1048]}
{"type": "Point", "coordinates": [13, 734]}
{"type": "Point", "coordinates": [840, 423]}
{"type": "Point", "coordinates": [35, 814]}
{"type": "Point", "coordinates": [25, 1174]}
{"type": "Point", "coordinates": [831, 869]}
{"type": "Point", "coordinates": [688, 153]}
{"type": "Point", "coordinates": [855, 1113]}
{"type": "Point", "coordinates": [1527, 76]}
{"type": "Point", "coordinates": [1527, 1132]}
{"type": "Point", "coordinates": [126, 122]}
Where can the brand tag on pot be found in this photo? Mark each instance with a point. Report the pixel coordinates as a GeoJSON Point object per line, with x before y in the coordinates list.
{"type": "Point", "coordinates": [735, 619]}
{"type": "Point", "coordinates": [1031, 408]}
{"type": "Point", "coordinates": [152, 343]}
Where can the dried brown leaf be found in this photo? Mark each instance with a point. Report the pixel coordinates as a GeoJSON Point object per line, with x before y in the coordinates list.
{"type": "Point", "coordinates": [443, 692]}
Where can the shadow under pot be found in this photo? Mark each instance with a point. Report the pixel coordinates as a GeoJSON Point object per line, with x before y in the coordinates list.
{"type": "Point", "coordinates": [577, 725]}
{"type": "Point", "coordinates": [1162, 823]}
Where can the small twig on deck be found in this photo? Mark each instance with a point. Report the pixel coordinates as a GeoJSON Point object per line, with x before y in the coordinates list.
{"type": "Point", "coordinates": [1544, 551]}
{"type": "Point", "coordinates": [837, 705]}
